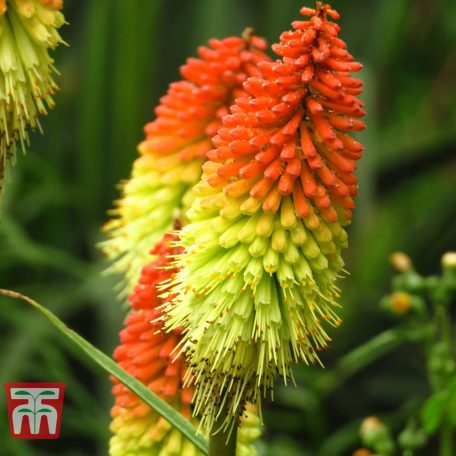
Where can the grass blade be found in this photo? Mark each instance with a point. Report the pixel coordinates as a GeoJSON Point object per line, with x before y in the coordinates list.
{"type": "Point", "coordinates": [110, 366]}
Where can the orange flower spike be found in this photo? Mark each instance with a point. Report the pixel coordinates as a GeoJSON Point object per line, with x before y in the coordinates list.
{"type": "Point", "coordinates": [268, 217]}
{"type": "Point", "coordinates": [326, 75]}
{"type": "Point", "coordinates": [175, 147]}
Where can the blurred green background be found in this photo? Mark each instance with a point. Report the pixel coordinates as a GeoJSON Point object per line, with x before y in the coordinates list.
{"type": "Point", "coordinates": [122, 56]}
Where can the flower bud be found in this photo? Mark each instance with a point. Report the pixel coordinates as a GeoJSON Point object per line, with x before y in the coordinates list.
{"type": "Point", "coordinates": [400, 303]}
{"type": "Point", "coordinates": [412, 439]}
{"type": "Point", "coordinates": [449, 260]}
{"type": "Point", "coordinates": [376, 435]}
{"type": "Point", "coordinates": [363, 452]}
{"type": "Point", "coordinates": [449, 273]}
{"type": "Point", "coordinates": [401, 261]}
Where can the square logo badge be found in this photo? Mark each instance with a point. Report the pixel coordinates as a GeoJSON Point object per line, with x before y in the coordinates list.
{"type": "Point", "coordinates": [34, 409]}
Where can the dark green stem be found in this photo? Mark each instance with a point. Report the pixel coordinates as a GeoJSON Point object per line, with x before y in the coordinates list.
{"type": "Point", "coordinates": [446, 439]}
{"type": "Point", "coordinates": [222, 442]}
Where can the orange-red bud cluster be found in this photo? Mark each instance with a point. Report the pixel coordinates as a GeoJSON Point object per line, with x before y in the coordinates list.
{"type": "Point", "coordinates": [193, 108]}
{"type": "Point", "coordinates": [146, 352]}
{"type": "Point", "coordinates": [287, 136]}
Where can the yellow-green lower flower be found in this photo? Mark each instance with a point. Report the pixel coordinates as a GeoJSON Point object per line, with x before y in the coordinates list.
{"type": "Point", "coordinates": [152, 435]}
{"type": "Point", "coordinates": [254, 292]}
{"type": "Point", "coordinates": [28, 29]}
{"type": "Point", "coordinates": [147, 353]}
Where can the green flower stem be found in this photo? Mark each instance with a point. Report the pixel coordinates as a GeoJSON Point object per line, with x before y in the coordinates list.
{"type": "Point", "coordinates": [441, 297]}
{"type": "Point", "coordinates": [446, 431]}
{"type": "Point", "coordinates": [364, 355]}
{"type": "Point", "coordinates": [446, 439]}
{"type": "Point", "coordinates": [222, 442]}
{"type": "Point", "coordinates": [110, 366]}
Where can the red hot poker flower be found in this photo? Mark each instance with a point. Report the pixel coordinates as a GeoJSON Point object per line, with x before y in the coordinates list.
{"type": "Point", "coordinates": [263, 248]}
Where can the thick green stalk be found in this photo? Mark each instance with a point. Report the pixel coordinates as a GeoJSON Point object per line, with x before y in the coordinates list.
{"type": "Point", "coordinates": [446, 439]}
{"type": "Point", "coordinates": [222, 442]}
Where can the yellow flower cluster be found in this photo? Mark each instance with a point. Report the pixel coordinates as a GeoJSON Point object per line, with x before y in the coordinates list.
{"type": "Point", "coordinates": [28, 29]}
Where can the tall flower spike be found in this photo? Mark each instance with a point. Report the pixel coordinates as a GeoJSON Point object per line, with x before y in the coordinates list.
{"type": "Point", "coordinates": [145, 352]}
{"type": "Point", "coordinates": [28, 29]}
{"type": "Point", "coordinates": [262, 251]}
{"type": "Point", "coordinates": [175, 147]}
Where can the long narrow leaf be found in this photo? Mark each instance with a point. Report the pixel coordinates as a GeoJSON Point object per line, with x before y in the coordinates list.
{"type": "Point", "coordinates": [110, 366]}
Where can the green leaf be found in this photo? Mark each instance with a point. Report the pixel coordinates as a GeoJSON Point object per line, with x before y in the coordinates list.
{"type": "Point", "coordinates": [47, 393]}
{"type": "Point", "coordinates": [362, 356]}
{"type": "Point", "coordinates": [434, 411]}
{"type": "Point", "coordinates": [26, 410]}
{"type": "Point", "coordinates": [44, 411]}
{"type": "Point", "coordinates": [110, 366]}
{"type": "Point", "coordinates": [452, 403]}
{"type": "Point", "coordinates": [23, 393]}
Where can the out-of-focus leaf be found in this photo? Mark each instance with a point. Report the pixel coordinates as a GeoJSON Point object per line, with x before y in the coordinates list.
{"type": "Point", "coordinates": [434, 411]}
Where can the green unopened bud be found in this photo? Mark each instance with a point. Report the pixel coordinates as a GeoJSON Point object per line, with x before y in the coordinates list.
{"type": "Point", "coordinates": [291, 254]}
{"type": "Point", "coordinates": [265, 224]}
{"type": "Point", "coordinates": [250, 206]}
{"type": "Point", "coordinates": [322, 233]}
{"type": "Point", "coordinates": [298, 234]}
{"type": "Point", "coordinates": [376, 435]}
{"type": "Point", "coordinates": [279, 240]}
{"type": "Point", "coordinates": [287, 214]}
{"type": "Point", "coordinates": [230, 212]}
{"type": "Point", "coordinates": [230, 237]}
{"type": "Point", "coordinates": [220, 224]}
{"type": "Point", "coordinates": [258, 247]}
{"type": "Point", "coordinates": [441, 366]}
{"type": "Point", "coordinates": [320, 263]}
{"type": "Point", "coordinates": [310, 248]}
{"type": "Point", "coordinates": [412, 439]}
{"type": "Point", "coordinates": [248, 232]}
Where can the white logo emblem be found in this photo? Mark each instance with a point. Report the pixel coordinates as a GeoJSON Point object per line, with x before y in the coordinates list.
{"type": "Point", "coordinates": [34, 410]}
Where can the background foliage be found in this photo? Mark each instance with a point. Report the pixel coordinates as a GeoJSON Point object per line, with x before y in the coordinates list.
{"type": "Point", "coordinates": [121, 58]}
